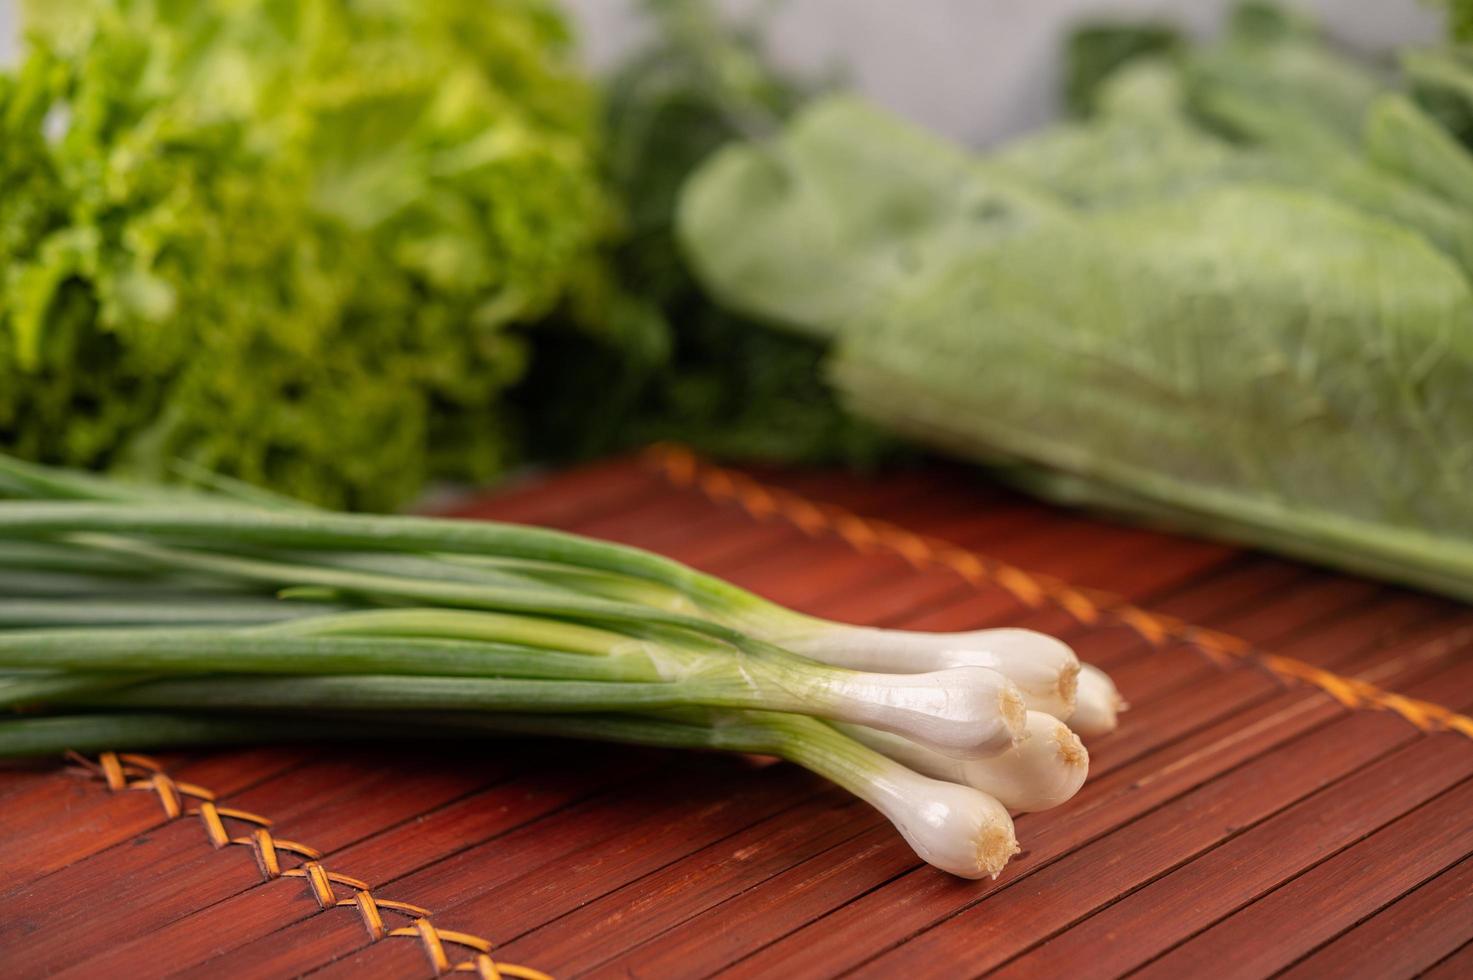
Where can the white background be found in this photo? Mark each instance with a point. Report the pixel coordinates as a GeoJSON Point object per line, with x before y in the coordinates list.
{"type": "Point", "coordinates": [979, 70]}
{"type": "Point", "coordinates": [976, 70]}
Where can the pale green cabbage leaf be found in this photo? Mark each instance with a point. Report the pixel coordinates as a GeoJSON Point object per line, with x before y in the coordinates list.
{"type": "Point", "coordinates": [1202, 332]}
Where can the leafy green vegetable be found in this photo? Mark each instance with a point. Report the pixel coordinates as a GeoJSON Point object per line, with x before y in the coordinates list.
{"type": "Point", "coordinates": [850, 200]}
{"type": "Point", "coordinates": [1096, 51]}
{"type": "Point", "coordinates": [1236, 297]}
{"type": "Point", "coordinates": [1460, 18]}
{"type": "Point", "coordinates": [1273, 59]}
{"type": "Point", "coordinates": [288, 241]}
{"type": "Point", "coordinates": [702, 375]}
{"type": "Point", "coordinates": [1404, 139]}
{"type": "Point", "coordinates": [1141, 143]}
{"type": "Point", "coordinates": [1316, 395]}
{"type": "Point", "coordinates": [1442, 81]}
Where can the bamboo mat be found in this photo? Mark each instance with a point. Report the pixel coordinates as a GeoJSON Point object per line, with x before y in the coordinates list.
{"type": "Point", "coordinates": [1291, 790]}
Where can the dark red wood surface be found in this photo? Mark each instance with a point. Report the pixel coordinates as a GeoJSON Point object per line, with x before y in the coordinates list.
{"type": "Point", "coordinates": [1233, 826]}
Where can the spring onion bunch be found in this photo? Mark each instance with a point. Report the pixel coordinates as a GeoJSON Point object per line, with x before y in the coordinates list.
{"type": "Point", "coordinates": [142, 616]}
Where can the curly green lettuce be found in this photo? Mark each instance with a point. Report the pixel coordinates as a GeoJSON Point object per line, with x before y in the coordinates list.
{"type": "Point", "coordinates": [289, 242]}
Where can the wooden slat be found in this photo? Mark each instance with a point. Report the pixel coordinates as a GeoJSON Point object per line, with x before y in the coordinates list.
{"type": "Point", "coordinates": [35, 843]}
{"type": "Point", "coordinates": [254, 924]}
{"type": "Point", "coordinates": [579, 493]}
{"type": "Point", "coordinates": [172, 871]}
{"type": "Point", "coordinates": [485, 882]}
{"type": "Point", "coordinates": [923, 896]}
{"type": "Point", "coordinates": [1233, 826]}
{"type": "Point", "coordinates": [1276, 930]}
{"type": "Point", "coordinates": [643, 909]}
{"type": "Point", "coordinates": [1458, 966]}
{"type": "Point", "coordinates": [866, 923]}
{"type": "Point", "coordinates": [1412, 935]}
{"type": "Point", "coordinates": [1176, 906]}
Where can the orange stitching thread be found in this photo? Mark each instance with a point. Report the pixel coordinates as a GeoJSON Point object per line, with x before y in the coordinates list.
{"type": "Point", "coordinates": [126, 772]}
{"type": "Point", "coordinates": [368, 909]}
{"type": "Point", "coordinates": [1088, 606]}
{"type": "Point", "coordinates": [429, 938]}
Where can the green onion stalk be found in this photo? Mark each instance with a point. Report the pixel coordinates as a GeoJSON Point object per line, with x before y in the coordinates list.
{"type": "Point", "coordinates": [175, 616]}
{"type": "Point", "coordinates": [1045, 670]}
{"type": "Point", "coordinates": [366, 661]}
